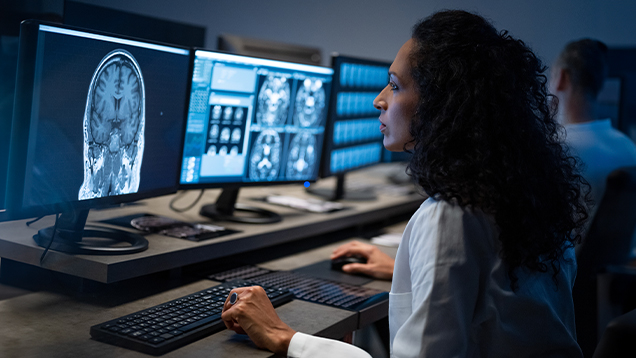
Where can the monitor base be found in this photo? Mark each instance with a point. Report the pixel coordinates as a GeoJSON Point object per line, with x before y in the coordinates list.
{"type": "Point", "coordinates": [262, 216]}
{"type": "Point", "coordinates": [107, 244]}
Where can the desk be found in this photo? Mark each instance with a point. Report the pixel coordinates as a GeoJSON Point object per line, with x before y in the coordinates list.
{"type": "Point", "coordinates": [165, 253]}
{"type": "Point", "coordinates": [51, 324]}
{"type": "Point", "coordinates": [45, 324]}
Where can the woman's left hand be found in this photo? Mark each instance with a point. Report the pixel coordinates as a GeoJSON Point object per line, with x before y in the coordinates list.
{"type": "Point", "coordinates": [254, 315]}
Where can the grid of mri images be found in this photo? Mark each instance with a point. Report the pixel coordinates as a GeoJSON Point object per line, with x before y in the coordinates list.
{"type": "Point", "coordinates": [355, 139]}
{"type": "Point", "coordinates": [253, 122]}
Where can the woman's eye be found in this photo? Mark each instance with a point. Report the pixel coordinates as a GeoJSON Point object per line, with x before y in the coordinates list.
{"type": "Point", "coordinates": [393, 86]}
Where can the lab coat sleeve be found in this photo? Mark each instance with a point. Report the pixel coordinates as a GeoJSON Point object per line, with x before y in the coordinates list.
{"type": "Point", "coordinates": [307, 346]}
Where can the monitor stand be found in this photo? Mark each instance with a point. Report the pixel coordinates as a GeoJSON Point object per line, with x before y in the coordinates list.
{"type": "Point", "coordinates": [226, 206]}
{"type": "Point", "coordinates": [70, 236]}
{"type": "Point", "coordinates": [341, 194]}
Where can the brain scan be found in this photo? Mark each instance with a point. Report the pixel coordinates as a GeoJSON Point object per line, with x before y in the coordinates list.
{"type": "Point", "coordinates": [273, 101]}
{"type": "Point", "coordinates": [310, 102]}
{"type": "Point", "coordinates": [227, 113]}
{"type": "Point", "coordinates": [265, 158]}
{"type": "Point", "coordinates": [225, 135]}
{"type": "Point", "coordinates": [238, 114]}
{"type": "Point", "coordinates": [234, 150]}
{"type": "Point", "coordinates": [236, 135]}
{"type": "Point", "coordinates": [113, 126]}
{"type": "Point", "coordinates": [214, 131]}
{"type": "Point", "coordinates": [212, 150]}
{"type": "Point", "coordinates": [216, 112]}
{"type": "Point", "coordinates": [302, 156]}
{"type": "Point", "coordinates": [223, 150]}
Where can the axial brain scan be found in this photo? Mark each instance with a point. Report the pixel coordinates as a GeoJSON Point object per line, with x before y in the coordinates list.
{"type": "Point", "coordinates": [302, 156]}
{"type": "Point", "coordinates": [265, 158]}
{"type": "Point", "coordinates": [310, 101]}
{"type": "Point", "coordinates": [114, 122]}
{"type": "Point", "coordinates": [273, 101]}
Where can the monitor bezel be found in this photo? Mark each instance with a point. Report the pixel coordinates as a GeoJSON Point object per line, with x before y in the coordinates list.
{"type": "Point", "coordinates": [325, 172]}
{"type": "Point", "coordinates": [234, 184]}
{"type": "Point", "coordinates": [25, 77]}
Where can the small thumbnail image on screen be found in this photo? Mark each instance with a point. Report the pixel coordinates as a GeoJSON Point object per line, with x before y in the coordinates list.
{"type": "Point", "coordinates": [226, 130]}
{"type": "Point", "coordinates": [274, 99]}
{"type": "Point", "coordinates": [310, 103]}
{"type": "Point", "coordinates": [265, 155]}
{"type": "Point", "coordinates": [302, 157]}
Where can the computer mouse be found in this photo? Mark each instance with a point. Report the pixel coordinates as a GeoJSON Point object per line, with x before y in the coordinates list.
{"type": "Point", "coordinates": [337, 263]}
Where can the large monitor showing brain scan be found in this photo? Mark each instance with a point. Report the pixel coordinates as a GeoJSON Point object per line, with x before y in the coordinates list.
{"type": "Point", "coordinates": [98, 120]}
{"type": "Point", "coordinates": [253, 121]}
{"type": "Point", "coordinates": [353, 138]}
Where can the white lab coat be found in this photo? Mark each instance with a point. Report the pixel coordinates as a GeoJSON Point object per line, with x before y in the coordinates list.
{"type": "Point", "coordinates": [451, 296]}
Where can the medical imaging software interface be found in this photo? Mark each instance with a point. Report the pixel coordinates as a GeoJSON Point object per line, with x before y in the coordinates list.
{"type": "Point", "coordinates": [355, 139]}
{"type": "Point", "coordinates": [107, 117]}
{"type": "Point", "coordinates": [254, 120]}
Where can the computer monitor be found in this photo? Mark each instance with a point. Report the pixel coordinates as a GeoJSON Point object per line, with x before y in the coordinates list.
{"type": "Point", "coordinates": [353, 139]}
{"type": "Point", "coordinates": [98, 120]}
{"type": "Point", "coordinates": [252, 121]}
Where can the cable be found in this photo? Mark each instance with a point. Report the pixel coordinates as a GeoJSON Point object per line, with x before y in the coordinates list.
{"type": "Point", "coordinates": [57, 216]}
{"type": "Point", "coordinates": [178, 196]}
{"type": "Point", "coordinates": [28, 223]}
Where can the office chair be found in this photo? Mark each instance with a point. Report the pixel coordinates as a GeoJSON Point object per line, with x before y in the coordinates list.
{"type": "Point", "coordinates": [618, 338]}
{"type": "Point", "coordinates": [607, 243]}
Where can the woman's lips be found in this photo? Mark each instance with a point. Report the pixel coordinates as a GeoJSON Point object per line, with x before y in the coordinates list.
{"type": "Point", "coordinates": [382, 127]}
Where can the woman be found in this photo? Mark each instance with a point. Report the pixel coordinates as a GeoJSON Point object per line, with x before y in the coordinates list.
{"type": "Point", "coordinates": [485, 267]}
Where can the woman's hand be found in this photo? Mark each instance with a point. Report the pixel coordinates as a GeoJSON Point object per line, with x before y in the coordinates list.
{"type": "Point", "coordinates": [254, 315]}
{"type": "Point", "coordinates": [379, 264]}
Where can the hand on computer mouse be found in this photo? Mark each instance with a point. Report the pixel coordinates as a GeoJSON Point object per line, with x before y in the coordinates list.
{"type": "Point", "coordinates": [339, 262]}
{"type": "Point", "coordinates": [378, 264]}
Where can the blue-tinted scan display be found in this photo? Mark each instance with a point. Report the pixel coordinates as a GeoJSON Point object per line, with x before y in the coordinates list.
{"type": "Point", "coordinates": [254, 120]}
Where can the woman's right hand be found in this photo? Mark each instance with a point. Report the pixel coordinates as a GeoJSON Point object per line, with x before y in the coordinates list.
{"type": "Point", "coordinates": [379, 265]}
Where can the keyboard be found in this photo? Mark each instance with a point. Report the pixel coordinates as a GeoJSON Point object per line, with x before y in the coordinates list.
{"type": "Point", "coordinates": [167, 326]}
{"type": "Point", "coordinates": [307, 288]}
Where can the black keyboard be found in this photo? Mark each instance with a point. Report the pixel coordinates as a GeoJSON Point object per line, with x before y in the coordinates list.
{"type": "Point", "coordinates": [162, 328]}
{"type": "Point", "coordinates": [307, 288]}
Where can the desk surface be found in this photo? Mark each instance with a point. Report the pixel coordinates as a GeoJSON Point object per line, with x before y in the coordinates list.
{"type": "Point", "coordinates": [44, 324]}
{"type": "Point", "coordinates": [164, 253]}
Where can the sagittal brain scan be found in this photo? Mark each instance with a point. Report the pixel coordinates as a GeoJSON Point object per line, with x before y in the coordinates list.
{"type": "Point", "coordinates": [273, 101]}
{"type": "Point", "coordinates": [310, 102]}
{"type": "Point", "coordinates": [265, 158]}
{"type": "Point", "coordinates": [114, 122]}
{"type": "Point", "coordinates": [302, 156]}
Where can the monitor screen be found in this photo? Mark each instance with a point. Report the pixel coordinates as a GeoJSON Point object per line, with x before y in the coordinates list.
{"type": "Point", "coordinates": [98, 120]}
{"type": "Point", "coordinates": [353, 138]}
{"type": "Point", "coordinates": [253, 121]}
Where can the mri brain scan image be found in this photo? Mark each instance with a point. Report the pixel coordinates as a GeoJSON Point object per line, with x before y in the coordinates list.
{"type": "Point", "coordinates": [310, 102]}
{"type": "Point", "coordinates": [225, 135]}
{"type": "Point", "coordinates": [216, 112]}
{"type": "Point", "coordinates": [265, 158]}
{"type": "Point", "coordinates": [238, 114]}
{"type": "Point", "coordinates": [273, 101]}
{"type": "Point", "coordinates": [302, 156]}
{"type": "Point", "coordinates": [236, 135]}
{"type": "Point", "coordinates": [223, 150]}
{"type": "Point", "coordinates": [212, 150]}
{"type": "Point", "coordinates": [214, 131]}
{"type": "Point", "coordinates": [114, 122]}
{"type": "Point", "coordinates": [227, 113]}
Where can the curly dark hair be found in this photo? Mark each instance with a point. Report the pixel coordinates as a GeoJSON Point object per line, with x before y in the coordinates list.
{"type": "Point", "coordinates": [485, 136]}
